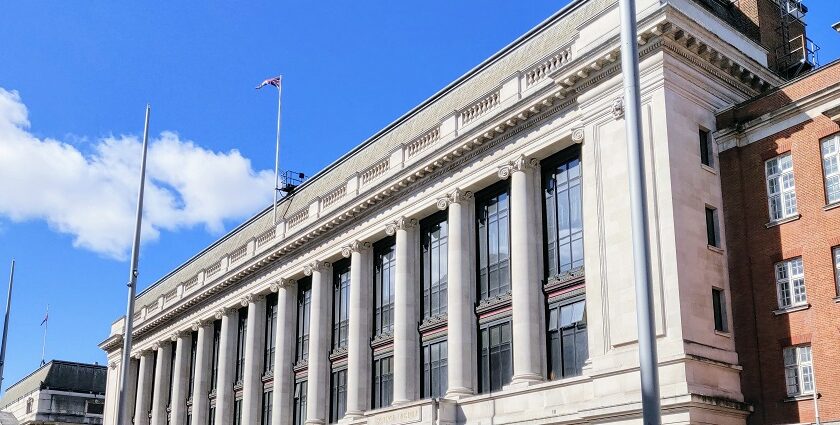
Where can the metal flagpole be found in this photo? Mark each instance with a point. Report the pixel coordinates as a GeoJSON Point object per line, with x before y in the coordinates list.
{"type": "Point", "coordinates": [46, 324]}
{"type": "Point", "coordinates": [132, 284]}
{"type": "Point", "coordinates": [639, 217]}
{"type": "Point", "coordinates": [6, 324]}
{"type": "Point", "coordinates": [277, 145]}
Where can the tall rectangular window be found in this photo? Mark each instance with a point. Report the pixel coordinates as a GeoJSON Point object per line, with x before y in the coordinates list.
{"type": "Point", "coordinates": [712, 227]}
{"type": "Point", "coordinates": [270, 333]}
{"type": "Point", "coordinates": [217, 336]}
{"type": "Point", "coordinates": [781, 189]}
{"type": "Point", "coordinates": [706, 151]}
{"type": "Point", "coordinates": [492, 215]}
{"type": "Point", "coordinates": [193, 354]}
{"type": "Point", "coordinates": [341, 306]}
{"type": "Point", "coordinates": [435, 235]}
{"type": "Point", "coordinates": [495, 358]}
{"type": "Point", "coordinates": [719, 307]}
{"type": "Point", "coordinates": [338, 395]}
{"type": "Point", "coordinates": [172, 353]}
{"type": "Point", "coordinates": [237, 412]}
{"type": "Point", "coordinates": [304, 301]}
{"type": "Point", "coordinates": [384, 275]}
{"type": "Point", "coordinates": [836, 253]}
{"type": "Point", "coordinates": [563, 212]}
{"type": "Point", "coordinates": [211, 416]}
{"type": "Point", "coordinates": [265, 418]}
{"type": "Point", "coordinates": [383, 381]}
{"type": "Point", "coordinates": [567, 339]}
{"type": "Point", "coordinates": [799, 372]}
{"type": "Point", "coordinates": [242, 331]}
{"type": "Point", "coordinates": [299, 403]}
{"type": "Point", "coordinates": [790, 283]}
{"type": "Point", "coordinates": [831, 167]}
{"type": "Point", "coordinates": [435, 378]}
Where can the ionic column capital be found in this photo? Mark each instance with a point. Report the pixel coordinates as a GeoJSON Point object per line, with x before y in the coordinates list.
{"type": "Point", "coordinates": [198, 324]}
{"type": "Point", "coordinates": [520, 163]}
{"type": "Point", "coordinates": [281, 283]}
{"type": "Point", "coordinates": [177, 334]}
{"type": "Point", "coordinates": [355, 246]}
{"type": "Point", "coordinates": [402, 223]}
{"type": "Point", "coordinates": [578, 134]}
{"type": "Point", "coordinates": [221, 312]}
{"type": "Point", "coordinates": [316, 266]}
{"type": "Point", "coordinates": [455, 197]}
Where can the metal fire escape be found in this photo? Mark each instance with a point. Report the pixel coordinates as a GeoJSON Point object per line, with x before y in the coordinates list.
{"type": "Point", "coordinates": [796, 53]}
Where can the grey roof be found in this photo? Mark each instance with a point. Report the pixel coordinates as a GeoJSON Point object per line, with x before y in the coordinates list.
{"type": "Point", "coordinates": [526, 51]}
{"type": "Point", "coordinates": [59, 375]}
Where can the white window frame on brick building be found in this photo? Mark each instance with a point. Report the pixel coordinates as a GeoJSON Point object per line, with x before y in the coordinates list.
{"type": "Point", "coordinates": [830, 149]}
{"type": "Point", "coordinates": [799, 370]}
{"type": "Point", "coordinates": [781, 187]}
{"type": "Point", "coordinates": [790, 283]}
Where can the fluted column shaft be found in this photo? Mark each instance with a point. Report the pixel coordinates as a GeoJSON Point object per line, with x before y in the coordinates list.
{"type": "Point", "coordinates": [460, 318]}
{"type": "Point", "coordinates": [130, 392]}
{"type": "Point", "coordinates": [406, 344]}
{"type": "Point", "coordinates": [203, 366]}
{"type": "Point", "coordinates": [284, 354]}
{"type": "Point", "coordinates": [254, 359]}
{"type": "Point", "coordinates": [227, 358]}
{"type": "Point", "coordinates": [145, 376]}
{"type": "Point", "coordinates": [162, 384]}
{"type": "Point", "coordinates": [525, 283]}
{"type": "Point", "coordinates": [358, 345]}
{"type": "Point", "coordinates": [181, 378]}
{"type": "Point", "coordinates": [319, 344]}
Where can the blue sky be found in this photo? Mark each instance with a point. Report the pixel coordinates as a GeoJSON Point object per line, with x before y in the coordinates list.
{"type": "Point", "coordinates": [75, 79]}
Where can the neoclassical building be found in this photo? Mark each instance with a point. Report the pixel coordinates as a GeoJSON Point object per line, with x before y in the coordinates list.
{"type": "Point", "coordinates": [471, 263]}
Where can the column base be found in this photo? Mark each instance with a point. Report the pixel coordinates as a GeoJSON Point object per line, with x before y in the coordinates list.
{"type": "Point", "coordinates": [351, 415]}
{"type": "Point", "coordinates": [458, 393]}
{"type": "Point", "coordinates": [315, 422]}
{"type": "Point", "coordinates": [525, 380]}
{"type": "Point", "coordinates": [399, 402]}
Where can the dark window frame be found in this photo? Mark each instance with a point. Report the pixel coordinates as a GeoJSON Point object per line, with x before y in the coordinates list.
{"type": "Point", "coordinates": [303, 319]}
{"type": "Point", "coordinates": [266, 412]}
{"type": "Point", "coordinates": [193, 357]}
{"type": "Point", "coordinates": [241, 338]}
{"type": "Point", "coordinates": [484, 386]}
{"type": "Point", "coordinates": [719, 311]}
{"type": "Point", "coordinates": [214, 371]}
{"type": "Point", "coordinates": [426, 381]}
{"type": "Point", "coordinates": [437, 222]}
{"type": "Point", "coordinates": [379, 397]}
{"type": "Point", "coordinates": [707, 152]}
{"type": "Point", "coordinates": [299, 398]}
{"type": "Point", "coordinates": [383, 312]}
{"type": "Point", "coordinates": [483, 240]}
{"type": "Point", "coordinates": [341, 304]}
{"type": "Point", "coordinates": [712, 226]}
{"type": "Point", "coordinates": [270, 336]}
{"type": "Point", "coordinates": [338, 394]}
{"type": "Point", "coordinates": [552, 257]}
{"type": "Point", "coordinates": [562, 370]}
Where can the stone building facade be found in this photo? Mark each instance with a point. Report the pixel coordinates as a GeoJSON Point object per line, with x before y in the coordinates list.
{"type": "Point", "coordinates": [471, 263]}
{"type": "Point", "coordinates": [57, 393]}
{"type": "Point", "coordinates": [779, 157]}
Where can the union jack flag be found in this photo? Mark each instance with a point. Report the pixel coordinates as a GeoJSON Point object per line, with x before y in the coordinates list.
{"type": "Point", "coordinates": [276, 82]}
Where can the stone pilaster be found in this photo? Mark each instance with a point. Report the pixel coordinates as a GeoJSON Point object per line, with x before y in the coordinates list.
{"type": "Point", "coordinates": [163, 367]}
{"type": "Point", "coordinates": [254, 348]}
{"type": "Point", "coordinates": [460, 317]}
{"type": "Point", "coordinates": [145, 375]}
{"type": "Point", "coordinates": [525, 287]}
{"type": "Point", "coordinates": [284, 351]}
{"type": "Point", "coordinates": [319, 342]}
{"type": "Point", "coordinates": [181, 378]}
{"type": "Point", "coordinates": [130, 391]}
{"type": "Point", "coordinates": [358, 345]}
{"type": "Point", "coordinates": [406, 339]}
{"type": "Point", "coordinates": [227, 363]}
{"type": "Point", "coordinates": [203, 371]}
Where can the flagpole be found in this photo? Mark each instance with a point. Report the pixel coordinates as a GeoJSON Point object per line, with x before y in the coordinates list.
{"type": "Point", "coordinates": [277, 145]}
{"type": "Point", "coordinates": [6, 324]}
{"type": "Point", "coordinates": [44, 344]}
{"type": "Point", "coordinates": [132, 285]}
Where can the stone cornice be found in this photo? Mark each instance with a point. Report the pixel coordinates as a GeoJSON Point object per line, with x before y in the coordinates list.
{"type": "Point", "coordinates": [571, 77]}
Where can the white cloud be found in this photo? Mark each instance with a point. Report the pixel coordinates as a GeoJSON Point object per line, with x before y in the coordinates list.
{"type": "Point", "coordinates": [93, 196]}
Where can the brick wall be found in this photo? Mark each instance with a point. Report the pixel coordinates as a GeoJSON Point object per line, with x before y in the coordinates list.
{"type": "Point", "coordinates": [753, 250]}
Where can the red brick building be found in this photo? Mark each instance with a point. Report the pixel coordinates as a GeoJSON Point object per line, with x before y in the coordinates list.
{"type": "Point", "coordinates": [780, 173]}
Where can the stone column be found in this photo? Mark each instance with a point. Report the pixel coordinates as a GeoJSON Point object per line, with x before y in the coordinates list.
{"type": "Point", "coordinates": [406, 344]}
{"type": "Point", "coordinates": [162, 385]}
{"type": "Point", "coordinates": [319, 342]}
{"type": "Point", "coordinates": [111, 393]}
{"type": "Point", "coordinates": [525, 283]}
{"type": "Point", "coordinates": [252, 387]}
{"type": "Point", "coordinates": [181, 378]}
{"type": "Point", "coordinates": [130, 392]}
{"type": "Point", "coordinates": [460, 316]}
{"type": "Point", "coordinates": [284, 351]}
{"type": "Point", "coordinates": [358, 344]}
{"type": "Point", "coordinates": [227, 359]}
{"type": "Point", "coordinates": [145, 375]}
{"type": "Point", "coordinates": [203, 371]}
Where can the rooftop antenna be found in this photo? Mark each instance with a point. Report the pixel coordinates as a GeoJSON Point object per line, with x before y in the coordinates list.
{"type": "Point", "coordinates": [6, 324]}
